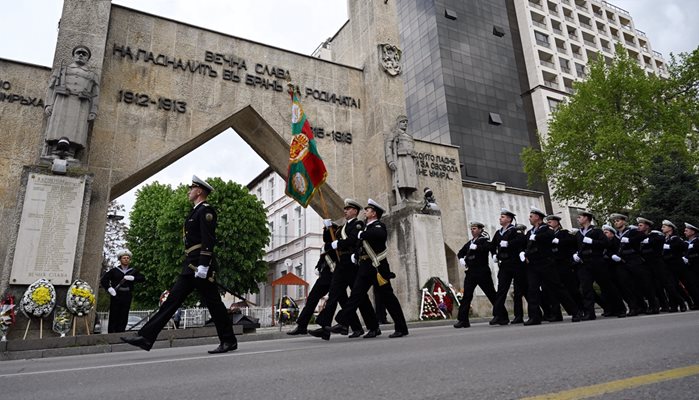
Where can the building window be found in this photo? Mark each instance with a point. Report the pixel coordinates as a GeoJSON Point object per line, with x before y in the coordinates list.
{"type": "Point", "coordinates": [449, 14]}
{"type": "Point", "coordinates": [299, 222]}
{"type": "Point", "coordinates": [272, 241]}
{"type": "Point", "coordinates": [580, 70]}
{"type": "Point", "coordinates": [494, 119]}
{"type": "Point", "coordinates": [259, 194]}
{"type": "Point", "coordinates": [299, 273]}
{"type": "Point", "coordinates": [498, 31]}
{"type": "Point", "coordinates": [285, 229]}
{"type": "Point", "coordinates": [284, 288]}
{"type": "Point", "coordinates": [541, 39]}
{"type": "Point", "coordinates": [553, 103]}
{"type": "Point", "coordinates": [271, 190]}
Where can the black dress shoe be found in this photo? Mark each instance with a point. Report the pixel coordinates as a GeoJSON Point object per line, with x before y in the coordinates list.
{"type": "Point", "coordinates": [577, 317]}
{"type": "Point", "coordinates": [341, 329]}
{"type": "Point", "coordinates": [321, 333]}
{"type": "Point", "coordinates": [531, 322]}
{"type": "Point", "coordinates": [372, 333]}
{"type": "Point", "coordinates": [683, 307]}
{"type": "Point", "coordinates": [138, 341]}
{"type": "Point", "coordinates": [297, 331]}
{"type": "Point", "coordinates": [397, 334]}
{"type": "Point", "coordinates": [224, 348]}
{"type": "Point", "coordinates": [632, 313]}
{"type": "Point", "coordinates": [555, 318]}
{"type": "Point", "coordinates": [462, 324]}
{"type": "Point", "coordinates": [589, 317]}
{"type": "Point", "coordinates": [517, 320]}
{"type": "Point", "coordinates": [356, 334]}
{"type": "Point", "coordinates": [494, 321]}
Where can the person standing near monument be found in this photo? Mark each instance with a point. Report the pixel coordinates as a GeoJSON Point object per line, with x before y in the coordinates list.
{"type": "Point", "coordinates": [197, 273]}
{"type": "Point", "coordinates": [474, 257]}
{"type": "Point", "coordinates": [400, 157]}
{"type": "Point", "coordinates": [119, 282]}
{"type": "Point", "coordinates": [71, 103]}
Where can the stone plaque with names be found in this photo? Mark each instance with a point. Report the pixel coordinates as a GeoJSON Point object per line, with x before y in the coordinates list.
{"type": "Point", "coordinates": [48, 230]}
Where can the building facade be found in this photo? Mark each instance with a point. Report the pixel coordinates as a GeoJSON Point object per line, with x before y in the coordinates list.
{"type": "Point", "coordinates": [295, 243]}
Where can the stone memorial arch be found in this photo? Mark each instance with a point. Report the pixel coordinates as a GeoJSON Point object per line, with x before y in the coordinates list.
{"type": "Point", "coordinates": [163, 88]}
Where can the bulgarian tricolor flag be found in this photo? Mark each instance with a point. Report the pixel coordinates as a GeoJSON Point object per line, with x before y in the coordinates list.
{"type": "Point", "coordinates": [306, 169]}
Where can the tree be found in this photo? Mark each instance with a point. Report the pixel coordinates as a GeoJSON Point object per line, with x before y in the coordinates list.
{"type": "Point", "coordinates": [672, 194]}
{"type": "Point", "coordinates": [155, 237]}
{"type": "Point", "coordinates": [144, 242]}
{"type": "Point", "coordinates": [604, 142]}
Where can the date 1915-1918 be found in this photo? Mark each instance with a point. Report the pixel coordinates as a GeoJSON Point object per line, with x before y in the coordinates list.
{"type": "Point", "coordinates": [144, 100]}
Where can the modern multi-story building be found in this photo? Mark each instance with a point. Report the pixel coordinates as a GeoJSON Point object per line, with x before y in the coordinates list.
{"type": "Point", "coordinates": [296, 238]}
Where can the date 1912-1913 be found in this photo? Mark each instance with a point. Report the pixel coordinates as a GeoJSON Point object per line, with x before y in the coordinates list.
{"type": "Point", "coordinates": [144, 100]}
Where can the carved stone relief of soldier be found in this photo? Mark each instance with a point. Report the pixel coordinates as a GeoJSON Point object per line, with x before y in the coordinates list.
{"type": "Point", "coordinates": [389, 56]}
{"type": "Point", "coordinates": [400, 157]}
{"type": "Point", "coordinates": [71, 103]}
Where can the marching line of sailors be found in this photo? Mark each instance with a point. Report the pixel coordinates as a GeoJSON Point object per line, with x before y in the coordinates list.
{"type": "Point", "coordinates": [355, 259]}
{"type": "Point", "coordinates": [637, 269]}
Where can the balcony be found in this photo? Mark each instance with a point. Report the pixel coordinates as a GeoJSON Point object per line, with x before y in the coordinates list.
{"type": "Point", "coordinates": [590, 43]}
{"type": "Point", "coordinates": [551, 84]}
{"type": "Point", "coordinates": [547, 64]}
{"type": "Point", "coordinates": [543, 43]}
{"type": "Point", "coordinates": [578, 56]}
{"type": "Point", "coordinates": [540, 24]}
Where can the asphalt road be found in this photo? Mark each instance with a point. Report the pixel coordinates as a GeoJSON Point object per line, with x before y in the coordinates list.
{"type": "Point", "coordinates": [648, 357]}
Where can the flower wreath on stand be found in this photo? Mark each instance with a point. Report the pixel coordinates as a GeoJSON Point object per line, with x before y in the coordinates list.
{"type": "Point", "coordinates": [38, 301]}
{"type": "Point", "coordinates": [79, 301]}
{"type": "Point", "coordinates": [7, 315]}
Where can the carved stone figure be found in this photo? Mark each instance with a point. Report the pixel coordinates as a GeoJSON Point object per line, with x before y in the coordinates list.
{"type": "Point", "coordinates": [400, 157]}
{"type": "Point", "coordinates": [390, 55]}
{"type": "Point", "coordinates": [71, 102]}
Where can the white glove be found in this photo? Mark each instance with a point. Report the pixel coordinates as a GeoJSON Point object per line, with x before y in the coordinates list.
{"type": "Point", "coordinates": [587, 240]}
{"type": "Point", "coordinates": [624, 240]}
{"type": "Point", "coordinates": [495, 258]}
{"type": "Point", "coordinates": [111, 291]}
{"type": "Point", "coordinates": [503, 243]}
{"type": "Point", "coordinates": [201, 272]}
{"type": "Point", "coordinates": [128, 277]}
{"type": "Point", "coordinates": [328, 223]}
{"type": "Point", "coordinates": [353, 258]}
{"type": "Point", "coordinates": [616, 258]}
{"type": "Point", "coordinates": [645, 241]}
{"type": "Point", "coordinates": [686, 260]}
{"type": "Point", "coordinates": [473, 246]}
{"type": "Point", "coordinates": [522, 256]}
{"type": "Point", "coordinates": [334, 245]}
{"type": "Point", "coordinates": [359, 234]}
{"type": "Point", "coordinates": [666, 246]}
{"type": "Point", "coordinates": [555, 241]}
{"type": "Point", "coordinates": [532, 237]}
{"type": "Point", "coordinates": [691, 246]}
{"type": "Point", "coordinates": [462, 262]}
{"type": "Point", "coordinates": [576, 258]}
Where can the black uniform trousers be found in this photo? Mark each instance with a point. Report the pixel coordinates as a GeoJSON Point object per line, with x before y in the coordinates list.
{"type": "Point", "coordinates": [366, 278]}
{"type": "Point", "coordinates": [595, 269]}
{"type": "Point", "coordinates": [569, 279]}
{"type": "Point", "coordinates": [543, 273]}
{"type": "Point", "coordinates": [344, 277]}
{"type": "Point", "coordinates": [680, 274]}
{"type": "Point", "coordinates": [320, 289]}
{"type": "Point", "coordinates": [644, 286]}
{"type": "Point", "coordinates": [185, 285]}
{"type": "Point", "coordinates": [508, 273]}
{"type": "Point", "coordinates": [481, 277]}
{"type": "Point", "coordinates": [119, 307]}
{"type": "Point", "coordinates": [626, 285]}
{"type": "Point", "coordinates": [665, 293]}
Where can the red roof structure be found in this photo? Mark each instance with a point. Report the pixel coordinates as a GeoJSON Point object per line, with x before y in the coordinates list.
{"type": "Point", "coordinates": [288, 279]}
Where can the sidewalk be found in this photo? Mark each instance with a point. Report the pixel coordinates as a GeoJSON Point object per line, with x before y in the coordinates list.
{"type": "Point", "coordinates": [109, 343]}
